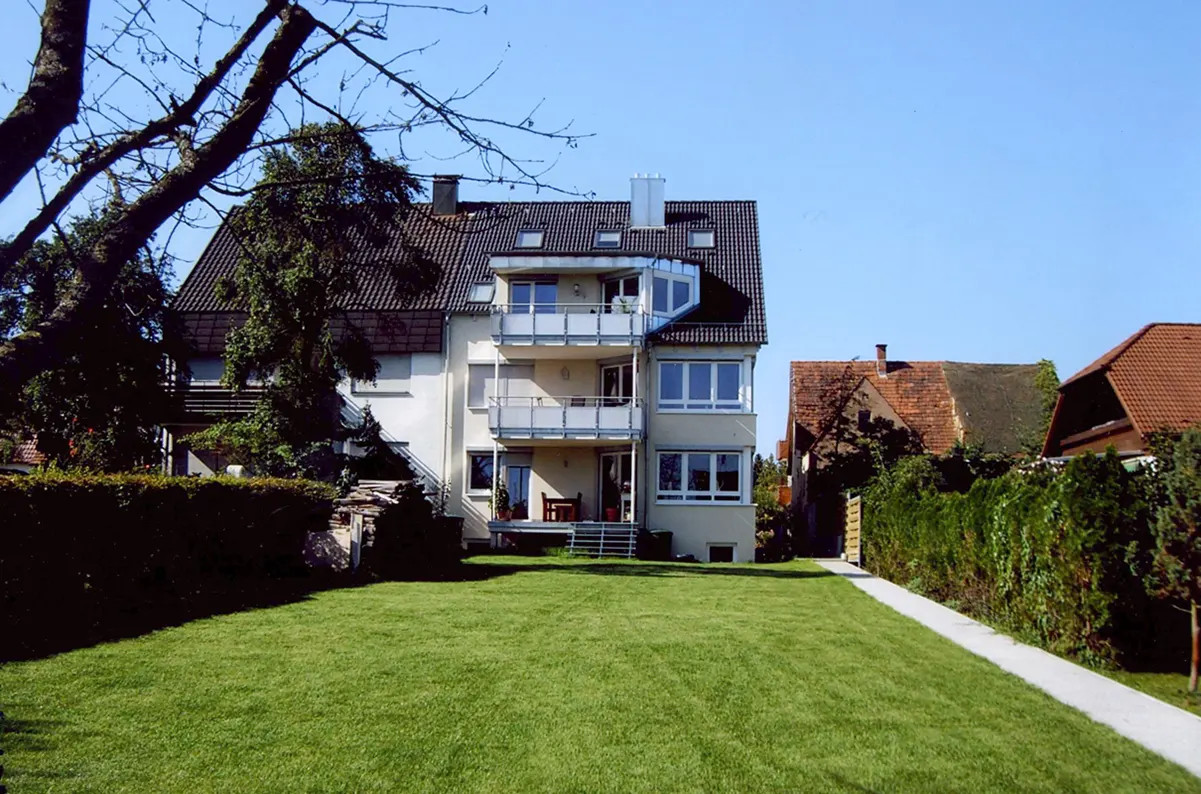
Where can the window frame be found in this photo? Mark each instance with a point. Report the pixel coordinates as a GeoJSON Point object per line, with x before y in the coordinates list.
{"type": "Point", "coordinates": [669, 293]}
{"type": "Point", "coordinates": [712, 404]}
{"type": "Point", "coordinates": [372, 389]}
{"type": "Point", "coordinates": [712, 238]}
{"type": "Point", "coordinates": [596, 238]}
{"type": "Point", "coordinates": [517, 241]}
{"type": "Point", "coordinates": [489, 285]}
{"type": "Point", "coordinates": [467, 480]}
{"type": "Point", "coordinates": [711, 496]}
{"type": "Point", "coordinates": [534, 306]}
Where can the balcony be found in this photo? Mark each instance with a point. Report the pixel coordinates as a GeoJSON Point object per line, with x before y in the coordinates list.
{"type": "Point", "coordinates": [569, 324]}
{"type": "Point", "coordinates": [213, 400]}
{"type": "Point", "coordinates": [566, 418]}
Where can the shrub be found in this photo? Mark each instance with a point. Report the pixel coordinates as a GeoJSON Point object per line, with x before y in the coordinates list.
{"type": "Point", "coordinates": [412, 541]}
{"type": "Point", "coordinates": [87, 546]}
{"type": "Point", "coordinates": [1045, 555]}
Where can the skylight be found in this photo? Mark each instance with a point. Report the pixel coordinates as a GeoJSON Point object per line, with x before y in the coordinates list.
{"type": "Point", "coordinates": [530, 238]}
{"type": "Point", "coordinates": [607, 238]}
{"type": "Point", "coordinates": [700, 238]}
{"type": "Point", "coordinates": [481, 292]}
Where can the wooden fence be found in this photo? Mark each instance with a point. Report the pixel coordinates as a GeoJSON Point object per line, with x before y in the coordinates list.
{"type": "Point", "coordinates": [854, 530]}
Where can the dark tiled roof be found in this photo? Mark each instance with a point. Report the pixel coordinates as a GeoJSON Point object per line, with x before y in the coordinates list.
{"type": "Point", "coordinates": [732, 305]}
{"type": "Point", "coordinates": [1156, 373]}
{"type": "Point", "coordinates": [999, 405]}
{"type": "Point", "coordinates": [388, 331]}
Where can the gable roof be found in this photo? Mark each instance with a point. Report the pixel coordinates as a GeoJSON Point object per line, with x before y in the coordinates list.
{"type": "Point", "coordinates": [998, 405]}
{"type": "Point", "coordinates": [731, 307]}
{"type": "Point", "coordinates": [988, 404]}
{"type": "Point", "coordinates": [916, 390]}
{"type": "Point", "coordinates": [1156, 374]}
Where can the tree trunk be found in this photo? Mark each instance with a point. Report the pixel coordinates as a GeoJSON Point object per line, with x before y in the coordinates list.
{"type": "Point", "coordinates": [29, 353]}
{"type": "Point", "coordinates": [1192, 676]}
{"type": "Point", "coordinates": [51, 101]}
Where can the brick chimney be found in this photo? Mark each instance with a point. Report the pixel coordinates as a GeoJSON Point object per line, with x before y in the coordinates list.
{"type": "Point", "coordinates": [882, 360]}
{"type": "Point", "coordinates": [446, 195]}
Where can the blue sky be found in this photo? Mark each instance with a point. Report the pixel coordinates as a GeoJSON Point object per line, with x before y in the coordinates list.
{"type": "Point", "coordinates": [983, 181]}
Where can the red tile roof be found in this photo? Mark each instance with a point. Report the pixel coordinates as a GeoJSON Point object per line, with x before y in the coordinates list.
{"type": "Point", "coordinates": [27, 453]}
{"type": "Point", "coordinates": [1156, 373]}
{"type": "Point", "coordinates": [916, 390]}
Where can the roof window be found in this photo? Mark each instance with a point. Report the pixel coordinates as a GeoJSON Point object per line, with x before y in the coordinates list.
{"type": "Point", "coordinates": [700, 238]}
{"type": "Point", "coordinates": [481, 292]}
{"type": "Point", "coordinates": [530, 238]}
{"type": "Point", "coordinates": [607, 238]}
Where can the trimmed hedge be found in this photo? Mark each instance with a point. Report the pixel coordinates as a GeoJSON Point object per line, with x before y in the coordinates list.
{"type": "Point", "coordinates": [1053, 557]}
{"type": "Point", "coordinates": [80, 547]}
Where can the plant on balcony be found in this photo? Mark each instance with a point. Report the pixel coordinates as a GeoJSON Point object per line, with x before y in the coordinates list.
{"type": "Point", "coordinates": [500, 503]}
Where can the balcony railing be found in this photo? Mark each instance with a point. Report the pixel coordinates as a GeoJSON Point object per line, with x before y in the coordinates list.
{"type": "Point", "coordinates": [202, 399]}
{"type": "Point", "coordinates": [568, 324]}
{"type": "Point", "coordinates": [609, 418]}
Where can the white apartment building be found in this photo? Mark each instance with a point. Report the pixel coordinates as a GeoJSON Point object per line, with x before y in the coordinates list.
{"type": "Point", "coordinates": [597, 358]}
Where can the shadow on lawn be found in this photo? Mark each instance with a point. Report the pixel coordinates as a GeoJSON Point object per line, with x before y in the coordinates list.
{"type": "Point", "coordinates": [33, 631]}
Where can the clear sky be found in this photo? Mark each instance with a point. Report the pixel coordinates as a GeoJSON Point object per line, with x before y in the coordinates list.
{"type": "Point", "coordinates": [975, 181]}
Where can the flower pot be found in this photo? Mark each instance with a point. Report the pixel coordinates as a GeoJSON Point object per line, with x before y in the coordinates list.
{"type": "Point", "coordinates": [504, 515]}
{"type": "Point", "coordinates": [610, 513]}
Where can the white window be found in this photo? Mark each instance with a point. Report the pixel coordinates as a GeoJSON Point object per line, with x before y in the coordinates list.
{"type": "Point", "coordinates": [700, 386]}
{"type": "Point", "coordinates": [530, 238]}
{"type": "Point", "coordinates": [700, 477]}
{"type": "Point", "coordinates": [516, 380]}
{"type": "Point", "coordinates": [701, 238]}
{"type": "Point", "coordinates": [670, 293]}
{"type": "Point", "coordinates": [392, 378]}
{"type": "Point", "coordinates": [479, 472]}
{"type": "Point", "coordinates": [607, 238]}
{"type": "Point", "coordinates": [481, 292]}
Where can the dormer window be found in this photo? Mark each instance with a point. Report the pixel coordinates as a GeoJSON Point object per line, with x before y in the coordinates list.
{"type": "Point", "coordinates": [607, 238]}
{"type": "Point", "coordinates": [670, 293]}
{"type": "Point", "coordinates": [530, 238]}
{"type": "Point", "coordinates": [701, 238]}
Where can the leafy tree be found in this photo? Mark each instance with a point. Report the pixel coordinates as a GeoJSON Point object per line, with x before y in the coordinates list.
{"type": "Point", "coordinates": [1176, 567]}
{"type": "Point", "coordinates": [325, 203]}
{"type": "Point", "coordinates": [100, 406]}
{"type": "Point", "coordinates": [771, 515]}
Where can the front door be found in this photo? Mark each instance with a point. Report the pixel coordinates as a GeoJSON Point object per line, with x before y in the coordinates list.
{"type": "Point", "coordinates": [616, 486]}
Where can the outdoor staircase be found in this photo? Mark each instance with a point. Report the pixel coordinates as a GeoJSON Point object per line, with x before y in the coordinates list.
{"type": "Point", "coordinates": [611, 540]}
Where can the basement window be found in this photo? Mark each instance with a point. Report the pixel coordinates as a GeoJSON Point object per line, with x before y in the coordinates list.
{"type": "Point", "coordinates": [607, 238]}
{"type": "Point", "coordinates": [701, 238]}
{"type": "Point", "coordinates": [481, 292]}
{"type": "Point", "coordinates": [530, 238]}
{"type": "Point", "coordinates": [721, 552]}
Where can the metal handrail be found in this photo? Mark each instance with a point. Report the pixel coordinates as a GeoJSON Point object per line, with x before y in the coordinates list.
{"type": "Point", "coordinates": [568, 401]}
{"type": "Point", "coordinates": [564, 308]}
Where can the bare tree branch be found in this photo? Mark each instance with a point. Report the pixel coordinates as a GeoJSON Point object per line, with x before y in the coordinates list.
{"type": "Point", "coordinates": [51, 101]}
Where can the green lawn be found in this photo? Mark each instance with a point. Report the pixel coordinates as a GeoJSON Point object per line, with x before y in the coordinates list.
{"type": "Point", "coordinates": [553, 675]}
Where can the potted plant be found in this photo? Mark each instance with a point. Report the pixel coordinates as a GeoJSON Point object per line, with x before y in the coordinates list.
{"type": "Point", "coordinates": [521, 511]}
{"type": "Point", "coordinates": [503, 511]}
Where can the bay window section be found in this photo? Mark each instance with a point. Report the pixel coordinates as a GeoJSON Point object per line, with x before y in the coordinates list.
{"type": "Point", "coordinates": [700, 386]}
{"type": "Point", "coordinates": [700, 477]}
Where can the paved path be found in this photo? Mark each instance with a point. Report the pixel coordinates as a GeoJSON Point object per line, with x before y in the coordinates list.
{"type": "Point", "coordinates": [1164, 729]}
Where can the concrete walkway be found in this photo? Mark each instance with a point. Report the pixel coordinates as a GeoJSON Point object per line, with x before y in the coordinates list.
{"type": "Point", "coordinates": [1163, 729]}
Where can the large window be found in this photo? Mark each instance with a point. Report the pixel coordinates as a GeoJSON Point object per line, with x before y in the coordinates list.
{"type": "Point", "coordinates": [670, 294]}
{"type": "Point", "coordinates": [700, 386]}
{"type": "Point", "coordinates": [700, 476]}
{"type": "Point", "coordinates": [392, 378]}
{"type": "Point", "coordinates": [538, 297]}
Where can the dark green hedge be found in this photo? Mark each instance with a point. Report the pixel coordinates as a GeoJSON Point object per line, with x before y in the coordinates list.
{"type": "Point", "coordinates": [73, 545]}
{"type": "Point", "coordinates": [1053, 557]}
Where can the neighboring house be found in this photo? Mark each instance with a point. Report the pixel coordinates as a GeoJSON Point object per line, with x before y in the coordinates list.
{"type": "Point", "coordinates": [994, 406]}
{"type": "Point", "coordinates": [25, 456]}
{"type": "Point", "coordinates": [598, 356]}
{"type": "Point", "coordinates": [1149, 383]}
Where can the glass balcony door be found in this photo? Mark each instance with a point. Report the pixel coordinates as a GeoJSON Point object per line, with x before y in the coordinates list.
{"type": "Point", "coordinates": [616, 487]}
{"type": "Point", "coordinates": [617, 384]}
{"type": "Point", "coordinates": [621, 295]}
{"type": "Point", "coordinates": [533, 297]}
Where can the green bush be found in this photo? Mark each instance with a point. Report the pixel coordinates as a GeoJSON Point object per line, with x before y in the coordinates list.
{"type": "Point", "coordinates": [92, 545]}
{"type": "Point", "coordinates": [413, 542]}
{"type": "Point", "coordinates": [1050, 556]}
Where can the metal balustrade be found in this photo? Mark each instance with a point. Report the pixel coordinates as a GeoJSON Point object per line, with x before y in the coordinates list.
{"type": "Point", "coordinates": [613, 324]}
{"type": "Point", "coordinates": [616, 418]}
